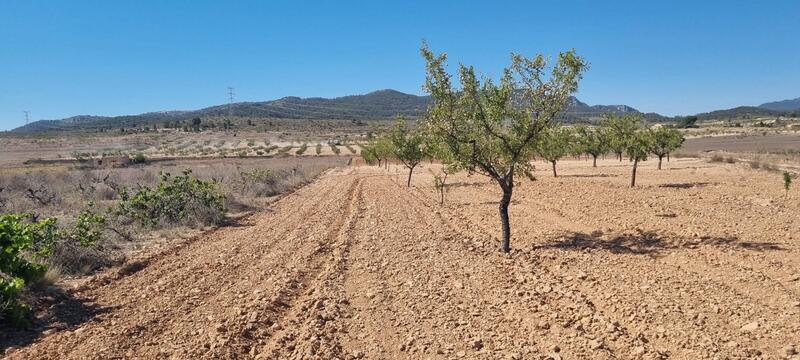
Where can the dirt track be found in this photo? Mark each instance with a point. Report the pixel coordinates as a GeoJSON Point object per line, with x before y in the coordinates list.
{"type": "Point", "coordinates": [700, 261]}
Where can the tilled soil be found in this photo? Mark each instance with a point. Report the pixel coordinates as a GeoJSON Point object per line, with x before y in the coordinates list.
{"type": "Point", "coordinates": [699, 261]}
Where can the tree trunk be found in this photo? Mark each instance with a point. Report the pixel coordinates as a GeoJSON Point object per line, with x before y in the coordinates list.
{"type": "Point", "coordinates": [619, 154]}
{"type": "Point", "coordinates": [659, 161]}
{"type": "Point", "coordinates": [441, 194]}
{"type": "Point", "coordinates": [410, 170]}
{"type": "Point", "coordinates": [633, 175]}
{"type": "Point", "coordinates": [594, 162]}
{"type": "Point", "coordinates": [504, 217]}
{"type": "Point", "coordinates": [379, 163]}
{"type": "Point", "coordinates": [555, 174]}
{"type": "Point", "coordinates": [667, 157]}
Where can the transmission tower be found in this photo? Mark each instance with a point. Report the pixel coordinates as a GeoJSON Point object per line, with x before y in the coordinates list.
{"type": "Point", "coordinates": [27, 116]}
{"type": "Point", "coordinates": [230, 101]}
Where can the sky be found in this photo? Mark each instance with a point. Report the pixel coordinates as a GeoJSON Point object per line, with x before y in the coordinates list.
{"type": "Point", "coordinates": [62, 58]}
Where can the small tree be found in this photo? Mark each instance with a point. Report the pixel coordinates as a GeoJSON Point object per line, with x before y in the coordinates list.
{"type": "Point", "coordinates": [554, 144]}
{"type": "Point", "coordinates": [493, 128]}
{"type": "Point", "coordinates": [665, 141]}
{"type": "Point", "coordinates": [619, 129]}
{"type": "Point", "coordinates": [787, 182]}
{"type": "Point", "coordinates": [440, 151]}
{"type": "Point", "coordinates": [593, 141]}
{"type": "Point", "coordinates": [407, 146]}
{"type": "Point", "coordinates": [637, 146]}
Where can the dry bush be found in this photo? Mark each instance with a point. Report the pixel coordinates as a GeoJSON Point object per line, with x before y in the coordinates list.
{"type": "Point", "coordinates": [74, 187]}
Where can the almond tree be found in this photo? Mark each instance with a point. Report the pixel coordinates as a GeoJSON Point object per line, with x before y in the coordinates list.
{"type": "Point", "coordinates": [492, 128]}
{"type": "Point", "coordinates": [637, 146]}
{"type": "Point", "coordinates": [593, 141]}
{"type": "Point", "coordinates": [441, 152]}
{"type": "Point", "coordinates": [554, 144]}
{"type": "Point", "coordinates": [665, 141]}
{"type": "Point", "coordinates": [407, 146]}
{"type": "Point", "coordinates": [619, 129]}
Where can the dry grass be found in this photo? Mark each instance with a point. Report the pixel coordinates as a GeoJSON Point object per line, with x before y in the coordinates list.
{"type": "Point", "coordinates": [62, 192]}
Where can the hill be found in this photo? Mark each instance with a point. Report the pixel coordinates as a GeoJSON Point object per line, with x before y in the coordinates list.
{"type": "Point", "coordinates": [377, 105]}
{"type": "Point", "coordinates": [741, 112]}
{"type": "Point", "coordinates": [784, 105]}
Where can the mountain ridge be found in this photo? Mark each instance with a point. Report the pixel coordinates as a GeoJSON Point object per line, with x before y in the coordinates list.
{"type": "Point", "coordinates": [381, 104]}
{"type": "Point", "coordinates": [783, 105]}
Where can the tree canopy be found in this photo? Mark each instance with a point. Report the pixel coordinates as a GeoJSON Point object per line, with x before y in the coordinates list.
{"type": "Point", "coordinates": [492, 127]}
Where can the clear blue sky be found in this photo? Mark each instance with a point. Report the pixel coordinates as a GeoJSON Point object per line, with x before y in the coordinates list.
{"type": "Point", "coordinates": [64, 58]}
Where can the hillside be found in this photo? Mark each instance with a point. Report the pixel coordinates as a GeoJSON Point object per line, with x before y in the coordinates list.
{"type": "Point", "coordinates": [741, 112]}
{"type": "Point", "coordinates": [784, 105]}
{"type": "Point", "coordinates": [377, 105]}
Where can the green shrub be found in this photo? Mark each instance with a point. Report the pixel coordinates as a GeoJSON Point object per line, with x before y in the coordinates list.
{"type": "Point", "coordinates": [24, 244]}
{"type": "Point", "coordinates": [139, 158]}
{"type": "Point", "coordinates": [335, 149]}
{"type": "Point", "coordinates": [88, 228]}
{"type": "Point", "coordinates": [302, 149]}
{"type": "Point", "coordinates": [319, 149]}
{"type": "Point", "coordinates": [175, 199]}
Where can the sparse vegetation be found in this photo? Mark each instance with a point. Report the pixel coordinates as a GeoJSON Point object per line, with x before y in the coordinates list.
{"type": "Point", "coordinates": [787, 182]}
{"type": "Point", "coordinates": [301, 149]}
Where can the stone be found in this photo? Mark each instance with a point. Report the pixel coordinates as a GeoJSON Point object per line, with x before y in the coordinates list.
{"type": "Point", "coordinates": [750, 327]}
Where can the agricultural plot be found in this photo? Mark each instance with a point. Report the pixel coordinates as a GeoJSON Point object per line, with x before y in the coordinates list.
{"type": "Point", "coordinates": [600, 271]}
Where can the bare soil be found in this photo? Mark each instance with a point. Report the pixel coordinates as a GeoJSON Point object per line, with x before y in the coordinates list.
{"type": "Point", "coordinates": [701, 260]}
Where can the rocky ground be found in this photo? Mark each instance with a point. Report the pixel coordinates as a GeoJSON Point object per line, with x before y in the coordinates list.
{"type": "Point", "coordinates": [699, 261]}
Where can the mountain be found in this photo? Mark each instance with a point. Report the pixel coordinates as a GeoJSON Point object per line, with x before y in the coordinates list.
{"type": "Point", "coordinates": [377, 105]}
{"type": "Point", "coordinates": [741, 112]}
{"type": "Point", "coordinates": [784, 105]}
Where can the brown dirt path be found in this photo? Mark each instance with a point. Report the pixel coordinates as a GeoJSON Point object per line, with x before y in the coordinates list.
{"type": "Point", "coordinates": [356, 265]}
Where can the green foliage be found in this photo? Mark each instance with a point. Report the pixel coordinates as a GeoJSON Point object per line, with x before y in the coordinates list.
{"type": "Point", "coordinates": [492, 128]}
{"type": "Point", "coordinates": [787, 180]}
{"type": "Point", "coordinates": [174, 199]}
{"type": "Point", "coordinates": [259, 176]}
{"type": "Point", "coordinates": [302, 149]}
{"type": "Point", "coordinates": [318, 149]}
{"type": "Point", "coordinates": [139, 158]}
{"type": "Point", "coordinates": [687, 122]}
{"type": "Point", "coordinates": [638, 145]}
{"type": "Point", "coordinates": [335, 149]}
{"type": "Point", "coordinates": [555, 142]}
{"type": "Point", "coordinates": [407, 144]}
{"type": "Point", "coordinates": [368, 154]}
{"type": "Point", "coordinates": [664, 141]}
{"type": "Point", "coordinates": [619, 129]}
{"type": "Point", "coordinates": [592, 141]}
{"type": "Point", "coordinates": [22, 244]}
{"type": "Point", "coordinates": [88, 228]}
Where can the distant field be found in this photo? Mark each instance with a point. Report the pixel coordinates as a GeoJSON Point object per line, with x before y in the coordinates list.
{"type": "Point", "coordinates": [754, 143]}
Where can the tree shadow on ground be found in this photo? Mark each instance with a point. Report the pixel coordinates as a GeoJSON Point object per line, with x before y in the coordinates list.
{"type": "Point", "coordinates": [589, 175]}
{"type": "Point", "coordinates": [648, 243]}
{"type": "Point", "coordinates": [688, 185]}
{"type": "Point", "coordinates": [466, 184]}
{"type": "Point", "coordinates": [55, 310]}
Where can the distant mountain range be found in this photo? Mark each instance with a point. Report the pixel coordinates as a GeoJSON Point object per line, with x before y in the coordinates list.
{"type": "Point", "coordinates": [784, 105]}
{"type": "Point", "coordinates": [377, 105]}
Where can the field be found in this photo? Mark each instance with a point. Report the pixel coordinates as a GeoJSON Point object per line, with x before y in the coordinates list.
{"type": "Point", "coordinates": [701, 260]}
